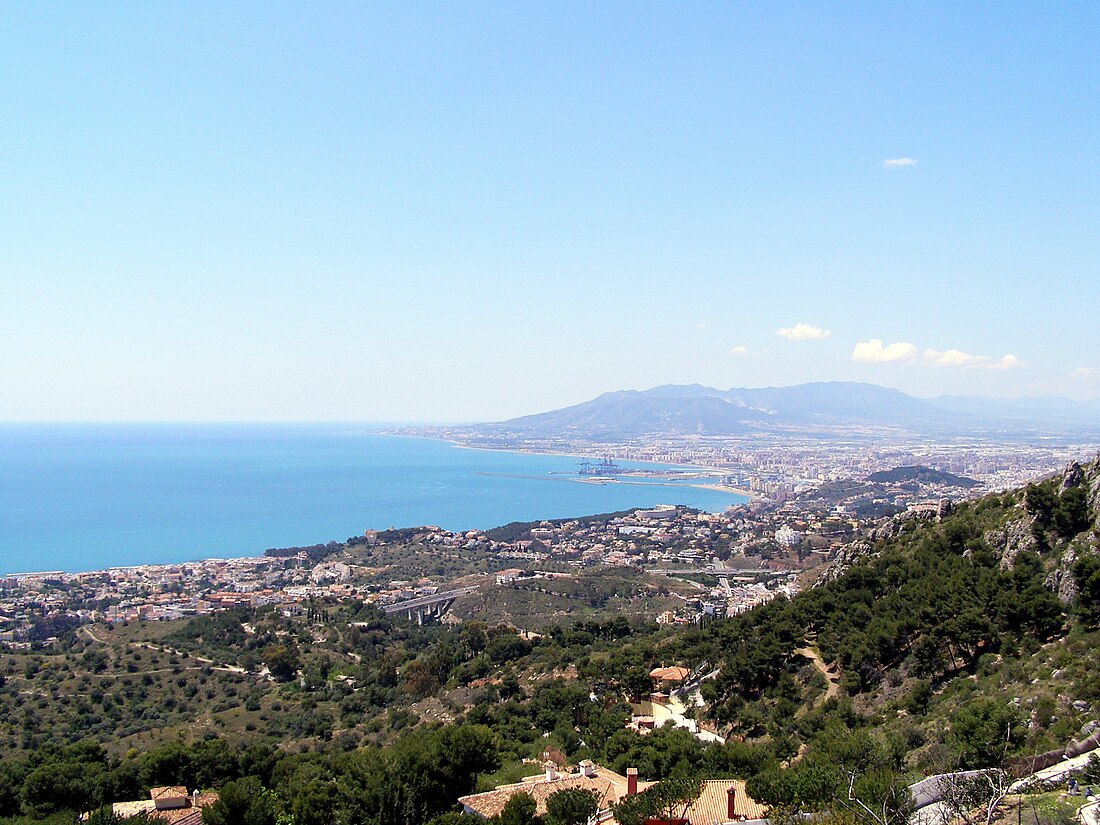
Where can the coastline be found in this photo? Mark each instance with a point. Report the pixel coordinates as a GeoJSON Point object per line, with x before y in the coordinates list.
{"type": "Point", "coordinates": [365, 497]}
{"type": "Point", "coordinates": [721, 488]}
{"type": "Point", "coordinates": [724, 488]}
{"type": "Point", "coordinates": [627, 479]}
{"type": "Point", "coordinates": [123, 569]}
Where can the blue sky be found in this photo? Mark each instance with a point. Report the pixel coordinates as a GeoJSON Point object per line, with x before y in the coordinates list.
{"type": "Point", "coordinates": [471, 211]}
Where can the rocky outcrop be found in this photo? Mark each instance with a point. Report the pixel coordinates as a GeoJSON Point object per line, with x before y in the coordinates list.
{"type": "Point", "coordinates": [885, 530]}
{"type": "Point", "coordinates": [1061, 580]}
{"type": "Point", "coordinates": [1091, 473]}
{"type": "Point", "coordinates": [1072, 476]}
{"type": "Point", "coordinates": [1017, 537]}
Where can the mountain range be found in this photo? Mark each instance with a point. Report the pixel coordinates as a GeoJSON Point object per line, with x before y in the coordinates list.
{"type": "Point", "coordinates": [680, 410]}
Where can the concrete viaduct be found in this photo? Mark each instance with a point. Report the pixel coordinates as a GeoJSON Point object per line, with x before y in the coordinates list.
{"type": "Point", "coordinates": [426, 606]}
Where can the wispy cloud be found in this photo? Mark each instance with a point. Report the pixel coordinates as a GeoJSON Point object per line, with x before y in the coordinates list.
{"type": "Point", "coordinates": [700, 325]}
{"type": "Point", "coordinates": [740, 351]}
{"type": "Point", "coordinates": [894, 163]}
{"type": "Point", "coordinates": [958, 358]}
{"type": "Point", "coordinates": [803, 332]}
{"type": "Point", "coordinates": [1085, 373]}
{"type": "Point", "coordinates": [875, 352]}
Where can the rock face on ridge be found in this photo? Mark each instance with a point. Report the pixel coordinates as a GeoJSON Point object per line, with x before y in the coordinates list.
{"type": "Point", "coordinates": [1017, 536]}
{"type": "Point", "coordinates": [1057, 519]}
{"type": "Point", "coordinates": [1092, 477]}
{"type": "Point", "coordinates": [1061, 579]}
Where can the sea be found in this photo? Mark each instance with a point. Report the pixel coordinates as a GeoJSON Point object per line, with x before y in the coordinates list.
{"type": "Point", "coordinates": [82, 497]}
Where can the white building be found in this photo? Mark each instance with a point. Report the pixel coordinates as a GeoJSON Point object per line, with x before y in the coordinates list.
{"type": "Point", "coordinates": [788, 537]}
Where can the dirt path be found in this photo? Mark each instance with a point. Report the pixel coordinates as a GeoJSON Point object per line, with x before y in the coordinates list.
{"type": "Point", "coordinates": [832, 679]}
{"type": "Point", "coordinates": [91, 635]}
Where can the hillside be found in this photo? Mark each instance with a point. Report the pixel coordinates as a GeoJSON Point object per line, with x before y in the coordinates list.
{"type": "Point", "coordinates": [923, 475]}
{"type": "Point", "coordinates": [965, 640]}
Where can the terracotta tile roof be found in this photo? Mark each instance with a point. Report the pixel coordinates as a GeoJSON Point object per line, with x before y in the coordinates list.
{"type": "Point", "coordinates": [184, 816]}
{"type": "Point", "coordinates": [710, 807]}
{"type": "Point", "coordinates": [190, 813]}
{"type": "Point", "coordinates": [168, 791]}
{"type": "Point", "coordinates": [181, 816]}
{"type": "Point", "coordinates": [127, 809]}
{"type": "Point", "coordinates": [669, 674]}
{"type": "Point", "coordinates": [608, 785]}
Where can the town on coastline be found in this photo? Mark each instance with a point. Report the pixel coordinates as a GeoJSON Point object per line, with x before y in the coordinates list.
{"type": "Point", "coordinates": [782, 467]}
{"type": "Point", "coordinates": [723, 563]}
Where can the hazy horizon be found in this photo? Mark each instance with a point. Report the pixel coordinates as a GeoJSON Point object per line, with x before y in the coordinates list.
{"type": "Point", "coordinates": [460, 422]}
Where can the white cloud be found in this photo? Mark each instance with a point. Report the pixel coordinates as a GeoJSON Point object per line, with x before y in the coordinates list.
{"type": "Point", "coordinates": [803, 332]}
{"type": "Point", "coordinates": [894, 163]}
{"type": "Point", "coordinates": [958, 358]}
{"type": "Point", "coordinates": [874, 352]}
{"type": "Point", "coordinates": [1085, 373]}
{"type": "Point", "coordinates": [700, 325]}
{"type": "Point", "coordinates": [739, 351]}
{"type": "Point", "coordinates": [953, 358]}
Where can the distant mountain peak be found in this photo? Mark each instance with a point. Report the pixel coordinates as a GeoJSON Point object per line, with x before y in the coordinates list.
{"type": "Point", "coordinates": [820, 406]}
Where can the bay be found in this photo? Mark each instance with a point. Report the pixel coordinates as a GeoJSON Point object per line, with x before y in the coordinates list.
{"type": "Point", "coordinates": [79, 497]}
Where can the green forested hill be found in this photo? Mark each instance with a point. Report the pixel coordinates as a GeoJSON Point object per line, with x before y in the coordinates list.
{"type": "Point", "coordinates": [925, 475]}
{"type": "Point", "coordinates": [960, 643]}
{"type": "Point", "coordinates": [929, 599]}
{"type": "Point", "coordinates": [956, 642]}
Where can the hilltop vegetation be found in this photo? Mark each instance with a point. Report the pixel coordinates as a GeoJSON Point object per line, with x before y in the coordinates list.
{"type": "Point", "coordinates": [957, 642]}
{"type": "Point", "coordinates": [924, 475]}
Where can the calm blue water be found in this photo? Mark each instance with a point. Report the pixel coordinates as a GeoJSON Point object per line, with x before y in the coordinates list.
{"type": "Point", "coordinates": [86, 497]}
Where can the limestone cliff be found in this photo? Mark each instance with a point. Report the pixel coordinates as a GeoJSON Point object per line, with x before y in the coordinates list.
{"type": "Point", "coordinates": [1057, 518]}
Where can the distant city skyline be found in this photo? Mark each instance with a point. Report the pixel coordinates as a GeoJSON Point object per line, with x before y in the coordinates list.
{"type": "Point", "coordinates": [422, 212]}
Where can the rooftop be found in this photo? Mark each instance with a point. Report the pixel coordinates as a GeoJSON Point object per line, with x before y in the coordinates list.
{"type": "Point", "coordinates": [711, 806]}
{"type": "Point", "coordinates": [669, 674]}
{"type": "Point", "coordinates": [188, 813]}
{"type": "Point", "coordinates": [609, 787]}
